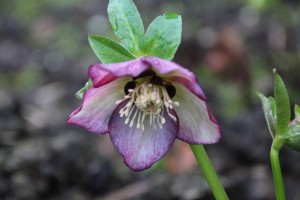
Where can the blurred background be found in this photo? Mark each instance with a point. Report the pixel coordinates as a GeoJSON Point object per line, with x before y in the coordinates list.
{"type": "Point", "coordinates": [231, 45]}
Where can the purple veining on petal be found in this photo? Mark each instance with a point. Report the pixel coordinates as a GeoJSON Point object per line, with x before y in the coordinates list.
{"type": "Point", "coordinates": [99, 76]}
{"type": "Point", "coordinates": [197, 124]}
{"type": "Point", "coordinates": [97, 106]}
{"type": "Point", "coordinates": [141, 149]}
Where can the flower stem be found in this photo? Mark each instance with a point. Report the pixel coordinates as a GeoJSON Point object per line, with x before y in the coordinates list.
{"type": "Point", "coordinates": [209, 172]}
{"type": "Point", "coordinates": [276, 170]}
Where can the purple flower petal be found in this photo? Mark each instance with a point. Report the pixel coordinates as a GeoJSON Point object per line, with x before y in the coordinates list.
{"type": "Point", "coordinates": [171, 70]}
{"type": "Point", "coordinates": [141, 149]}
{"type": "Point", "coordinates": [197, 124]}
{"type": "Point", "coordinates": [130, 68]}
{"type": "Point", "coordinates": [176, 73]}
{"type": "Point", "coordinates": [97, 106]}
{"type": "Point", "coordinates": [99, 76]}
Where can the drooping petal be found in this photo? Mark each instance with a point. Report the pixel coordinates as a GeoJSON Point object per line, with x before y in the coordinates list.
{"type": "Point", "coordinates": [131, 68]}
{"type": "Point", "coordinates": [100, 76]}
{"type": "Point", "coordinates": [98, 105]}
{"type": "Point", "coordinates": [141, 149]}
{"type": "Point", "coordinates": [197, 124]}
{"type": "Point", "coordinates": [166, 68]}
{"type": "Point", "coordinates": [176, 73]}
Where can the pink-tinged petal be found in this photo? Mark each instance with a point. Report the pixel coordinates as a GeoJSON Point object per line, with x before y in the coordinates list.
{"type": "Point", "coordinates": [197, 124]}
{"type": "Point", "coordinates": [176, 73]}
{"type": "Point", "coordinates": [141, 149]}
{"type": "Point", "coordinates": [131, 68]}
{"type": "Point", "coordinates": [98, 105]}
{"type": "Point", "coordinates": [99, 76]}
{"type": "Point", "coordinates": [103, 73]}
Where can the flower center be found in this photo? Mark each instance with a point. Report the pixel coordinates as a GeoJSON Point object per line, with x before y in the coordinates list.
{"type": "Point", "coordinates": [147, 98]}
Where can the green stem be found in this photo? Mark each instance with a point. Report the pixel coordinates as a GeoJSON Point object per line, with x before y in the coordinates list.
{"type": "Point", "coordinates": [276, 170]}
{"type": "Point", "coordinates": [209, 172]}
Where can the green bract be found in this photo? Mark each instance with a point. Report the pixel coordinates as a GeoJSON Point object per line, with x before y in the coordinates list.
{"type": "Point", "coordinates": [126, 23]}
{"type": "Point", "coordinates": [161, 39]}
{"type": "Point", "coordinates": [163, 36]}
{"type": "Point", "coordinates": [109, 51]}
{"type": "Point", "coordinates": [282, 101]}
{"type": "Point", "coordinates": [269, 108]}
{"type": "Point", "coordinates": [293, 132]}
{"type": "Point", "coordinates": [278, 114]}
{"type": "Point", "coordinates": [293, 135]}
{"type": "Point", "coordinates": [79, 93]}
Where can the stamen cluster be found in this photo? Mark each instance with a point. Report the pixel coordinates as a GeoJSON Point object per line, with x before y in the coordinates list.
{"type": "Point", "coordinates": [148, 99]}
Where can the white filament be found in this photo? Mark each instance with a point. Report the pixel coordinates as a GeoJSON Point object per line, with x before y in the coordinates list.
{"type": "Point", "coordinates": [147, 99]}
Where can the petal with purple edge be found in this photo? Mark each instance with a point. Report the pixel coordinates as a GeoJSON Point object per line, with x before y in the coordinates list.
{"type": "Point", "coordinates": [98, 105]}
{"type": "Point", "coordinates": [176, 73]}
{"type": "Point", "coordinates": [173, 71]}
{"type": "Point", "coordinates": [131, 68]}
{"type": "Point", "coordinates": [141, 149]}
{"type": "Point", "coordinates": [197, 124]}
{"type": "Point", "coordinates": [99, 76]}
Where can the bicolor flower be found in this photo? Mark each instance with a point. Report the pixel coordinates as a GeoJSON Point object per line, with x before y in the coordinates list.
{"type": "Point", "coordinates": [144, 105]}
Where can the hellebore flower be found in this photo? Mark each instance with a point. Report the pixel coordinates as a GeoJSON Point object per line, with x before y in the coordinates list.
{"type": "Point", "coordinates": [144, 104]}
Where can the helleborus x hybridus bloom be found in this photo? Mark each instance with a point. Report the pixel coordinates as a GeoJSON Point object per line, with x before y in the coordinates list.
{"type": "Point", "coordinates": [144, 105]}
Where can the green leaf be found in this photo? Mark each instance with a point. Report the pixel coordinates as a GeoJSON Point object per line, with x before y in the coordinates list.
{"type": "Point", "coordinates": [293, 135]}
{"type": "Point", "coordinates": [126, 22]}
{"type": "Point", "coordinates": [109, 51]}
{"type": "Point", "coordinates": [163, 36]}
{"type": "Point", "coordinates": [269, 113]}
{"type": "Point", "coordinates": [79, 93]}
{"type": "Point", "coordinates": [283, 111]}
{"type": "Point", "coordinates": [297, 111]}
{"type": "Point", "coordinates": [273, 107]}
